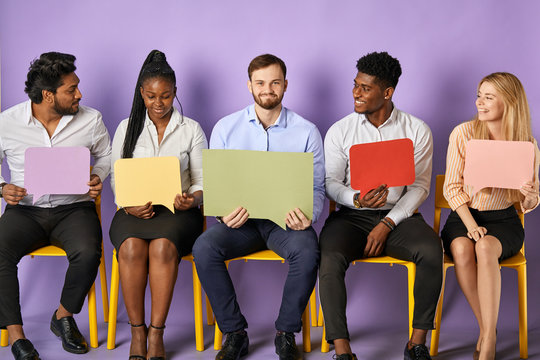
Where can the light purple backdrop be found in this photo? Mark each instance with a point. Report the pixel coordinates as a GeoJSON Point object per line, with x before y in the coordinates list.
{"type": "Point", "coordinates": [444, 48]}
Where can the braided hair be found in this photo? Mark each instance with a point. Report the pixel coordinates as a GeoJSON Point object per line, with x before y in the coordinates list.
{"type": "Point", "coordinates": [155, 66]}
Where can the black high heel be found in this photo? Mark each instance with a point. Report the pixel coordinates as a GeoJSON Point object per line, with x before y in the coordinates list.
{"type": "Point", "coordinates": [138, 357]}
{"type": "Point", "coordinates": [157, 328]}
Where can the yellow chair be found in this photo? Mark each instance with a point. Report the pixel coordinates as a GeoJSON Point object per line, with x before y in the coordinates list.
{"type": "Point", "coordinates": [52, 250]}
{"type": "Point", "coordinates": [411, 274]}
{"type": "Point", "coordinates": [516, 262]}
{"type": "Point", "coordinates": [197, 301]}
{"type": "Point", "coordinates": [267, 255]}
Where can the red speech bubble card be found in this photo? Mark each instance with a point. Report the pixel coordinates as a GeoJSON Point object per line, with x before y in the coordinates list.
{"type": "Point", "coordinates": [384, 162]}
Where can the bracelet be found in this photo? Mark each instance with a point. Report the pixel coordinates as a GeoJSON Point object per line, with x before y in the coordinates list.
{"type": "Point", "coordinates": [388, 224]}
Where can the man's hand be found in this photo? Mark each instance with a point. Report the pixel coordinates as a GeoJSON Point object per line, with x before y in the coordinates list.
{"type": "Point", "coordinates": [13, 194]}
{"type": "Point", "coordinates": [184, 201]}
{"type": "Point", "coordinates": [95, 186]}
{"type": "Point", "coordinates": [142, 212]}
{"type": "Point", "coordinates": [296, 220]}
{"type": "Point", "coordinates": [237, 218]}
{"type": "Point", "coordinates": [375, 198]}
{"type": "Point", "coordinates": [376, 240]}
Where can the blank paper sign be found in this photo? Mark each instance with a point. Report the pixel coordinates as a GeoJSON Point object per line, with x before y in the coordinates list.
{"type": "Point", "coordinates": [56, 170]}
{"type": "Point", "coordinates": [384, 162]}
{"type": "Point", "coordinates": [499, 164]}
{"type": "Point", "coordinates": [155, 179]}
{"type": "Point", "coordinates": [267, 184]}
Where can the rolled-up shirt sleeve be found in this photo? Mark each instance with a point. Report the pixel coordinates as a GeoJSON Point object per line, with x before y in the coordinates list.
{"type": "Point", "coordinates": [337, 164]}
{"type": "Point", "coordinates": [101, 150]}
{"type": "Point", "coordinates": [195, 159]}
{"type": "Point", "coordinates": [455, 163]}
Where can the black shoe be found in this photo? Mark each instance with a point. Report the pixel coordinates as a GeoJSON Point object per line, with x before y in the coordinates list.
{"type": "Point", "coordinates": [286, 346]}
{"type": "Point", "coordinates": [345, 357]}
{"type": "Point", "coordinates": [417, 352]}
{"type": "Point", "coordinates": [23, 349]}
{"type": "Point", "coordinates": [72, 339]}
{"type": "Point", "coordinates": [236, 346]}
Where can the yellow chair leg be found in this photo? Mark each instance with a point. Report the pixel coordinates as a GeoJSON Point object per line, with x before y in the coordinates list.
{"type": "Point", "coordinates": [411, 275]}
{"type": "Point", "coordinates": [113, 310]}
{"type": "Point", "coordinates": [435, 333]}
{"type": "Point", "coordinates": [218, 337]}
{"type": "Point", "coordinates": [209, 312]}
{"type": "Point", "coordinates": [197, 310]}
{"type": "Point", "coordinates": [306, 336]}
{"type": "Point", "coordinates": [103, 282]}
{"type": "Point", "coordinates": [3, 337]}
{"type": "Point", "coordinates": [522, 298]}
{"type": "Point", "coordinates": [320, 321]}
{"type": "Point", "coordinates": [92, 316]}
{"type": "Point", "coordinates": [325, 346]}
{"type": "Point", "coordinates": [313, 307]}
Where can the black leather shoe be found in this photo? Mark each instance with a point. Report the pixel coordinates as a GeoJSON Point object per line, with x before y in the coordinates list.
{"type": "Point", "coordinates": [72, 339]}
{"type": "Point", "coordinates": [345, 357]}
{"type": "Point", "coordinates": [236, 345]}
{"type": "Point", "coordinates": [23, 349]}
{"type": "Point", "coordinates": [417, 352]}
{"type": "Point", "coordinates": [286, 346]}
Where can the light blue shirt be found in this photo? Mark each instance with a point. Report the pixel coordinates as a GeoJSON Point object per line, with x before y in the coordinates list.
{"type": "Point", "coordinates": [242, 130]}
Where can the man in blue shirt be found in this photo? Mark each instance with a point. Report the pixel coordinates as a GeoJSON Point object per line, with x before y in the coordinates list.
{"type": "Point", "coordinates": [264, 126]}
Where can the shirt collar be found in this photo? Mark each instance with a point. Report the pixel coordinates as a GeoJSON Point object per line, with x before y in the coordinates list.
{"type": "Point", "coordinates": [30, 117]}
{"type": "Point", "coordinates": [176, 119]}
{"type": "Point", "coordinates": [281, 120]}
{"type": "Point", "coordinates": [393, 116]}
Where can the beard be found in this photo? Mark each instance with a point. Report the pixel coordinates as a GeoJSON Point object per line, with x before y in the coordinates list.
{"type": "Point", "coordinates": [65, 110]}
{"type": "Point", "coordinates": [269, 103]}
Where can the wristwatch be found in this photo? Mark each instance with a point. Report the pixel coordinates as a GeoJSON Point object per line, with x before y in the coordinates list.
{"type": "Point", "coordinates": [2, 188]}
{"type": "Point", "coordinates": [356, 201]}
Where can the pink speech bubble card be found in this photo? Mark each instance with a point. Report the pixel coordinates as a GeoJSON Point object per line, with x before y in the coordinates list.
{"type": "Point", "coordinates": [56, 170]}
{"type": "Point", "coordinates": [388, 162]}
{"type": "Point", "coordinates": [499, 164]}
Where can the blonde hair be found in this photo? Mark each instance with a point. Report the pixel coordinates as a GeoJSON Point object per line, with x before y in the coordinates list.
{"type": "Point", "coordinates": [516, 118]}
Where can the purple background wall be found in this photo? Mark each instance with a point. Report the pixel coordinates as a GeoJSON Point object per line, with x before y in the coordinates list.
{"type": "Point", "coordinates": [444, 48]}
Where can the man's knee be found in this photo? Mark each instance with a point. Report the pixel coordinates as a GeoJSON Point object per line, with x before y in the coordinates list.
{"type": "Point", "coordinates": [204, 249]}
{"type": "Point", "coordinates": [86, 254]}
{"type": "Point", "coordinates": [332, 262]}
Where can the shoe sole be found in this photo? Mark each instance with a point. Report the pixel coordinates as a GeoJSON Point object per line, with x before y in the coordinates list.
{"type": "Point", "coordinates": [73, 351]}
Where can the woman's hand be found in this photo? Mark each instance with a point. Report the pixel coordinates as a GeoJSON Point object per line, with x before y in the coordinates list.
{"type": "Point", "coordinates": [476, 233]}
{"type": "Point", "coordinates": [184, 201]}
{"type": "Point", "coordinates": [142, 212]}
{"type": "Point", "coordinates": [530, 193]}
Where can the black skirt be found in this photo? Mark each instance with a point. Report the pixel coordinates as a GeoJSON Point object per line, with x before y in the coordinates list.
{"type": "Point", "coordinates": [182, 228]}
{"type": "Point", "coordinates": [501, 224]}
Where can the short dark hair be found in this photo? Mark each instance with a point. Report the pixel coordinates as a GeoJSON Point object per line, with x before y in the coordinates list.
{"type": "Point", "coordinates": [266, 60]}
{"type": "Point", "coordinates": [46, 73]}
{"type": "Point", "coordinates": [384, 67]}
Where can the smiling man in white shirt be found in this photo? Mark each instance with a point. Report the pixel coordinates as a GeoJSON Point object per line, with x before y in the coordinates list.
{"type": "Point", "coordinates": [383, 220]}
{"type": "Point", "coordinates": [51, 118]}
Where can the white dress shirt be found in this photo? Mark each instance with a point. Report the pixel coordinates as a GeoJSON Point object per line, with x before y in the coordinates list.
{"type": "Point", "coordinates": [356, 129]}
{"type": "Point", "coordinates": [183, 138]}
{"type": "Point", "coordinates": [19, 130]}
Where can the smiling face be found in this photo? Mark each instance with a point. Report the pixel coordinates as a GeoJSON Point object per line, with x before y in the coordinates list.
{"type": "Point", "coordinates": [67, 96]}
{"type": "Point", "coordinates": [489, 103]}
{"type": "Point", "coordinates": [368, 95]}
{"type": "Point", "coordinates": [158, 96]}
{"type": "Point", "coordinates": [268, 85]}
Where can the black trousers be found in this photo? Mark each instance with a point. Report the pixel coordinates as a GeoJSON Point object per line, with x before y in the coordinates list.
{"type": "Point", "coordinates": [343, 239]}
{"type": "Point", "coordinates": [74, 227]}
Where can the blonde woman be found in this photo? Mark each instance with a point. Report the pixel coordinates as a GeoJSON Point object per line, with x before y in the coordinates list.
{"type": "Point", "coordinates": [484, 228]}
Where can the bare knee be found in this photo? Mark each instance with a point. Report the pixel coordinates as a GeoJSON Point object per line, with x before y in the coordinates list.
{"type": "Point", "coordinates": [163, 250]}
{"type": "Point", "coordinates": [488, 249]}
{"type": "Point", "coordinates": [133, 250]}
{"type": "Point", "coordinates": [463, 251]}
